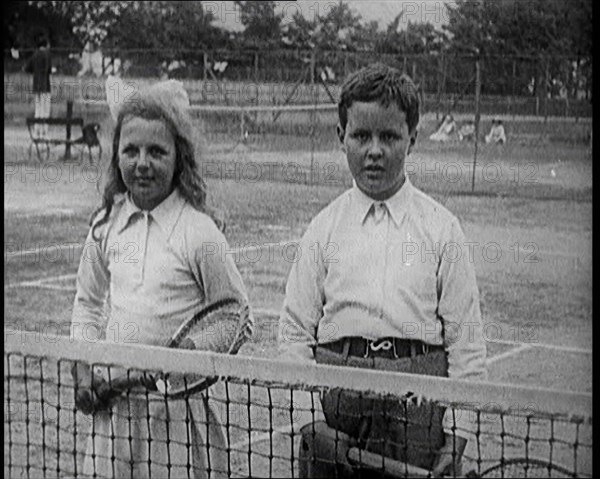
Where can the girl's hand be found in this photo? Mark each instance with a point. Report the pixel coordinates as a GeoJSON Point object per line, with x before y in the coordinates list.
{"type": "Point", "coordinates": [187, 343]}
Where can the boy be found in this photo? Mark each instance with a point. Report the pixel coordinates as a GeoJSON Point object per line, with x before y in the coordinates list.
{"type": "Point", "coordinates": [389, 297]}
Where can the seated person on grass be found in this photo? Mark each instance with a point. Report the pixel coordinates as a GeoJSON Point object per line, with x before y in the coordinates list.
{"type": "Point", "coordinates": [467, 131]}
{"type": "Point", "coordinates": [444, 132]}
{"type": "Point", "coordinates": [497, 133]}
{"type": "Point", "coordinates": [372, 305]}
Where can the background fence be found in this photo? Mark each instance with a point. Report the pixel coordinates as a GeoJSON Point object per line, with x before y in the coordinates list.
{"type": "Point", "coordinates": [510, 85]}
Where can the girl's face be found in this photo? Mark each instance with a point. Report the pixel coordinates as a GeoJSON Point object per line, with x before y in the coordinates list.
{"type": "Point", "coordinates": [147, 160]}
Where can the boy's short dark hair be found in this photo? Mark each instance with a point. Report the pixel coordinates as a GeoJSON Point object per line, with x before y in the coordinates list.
{"type": "Point", "coordinates": [382, 83]}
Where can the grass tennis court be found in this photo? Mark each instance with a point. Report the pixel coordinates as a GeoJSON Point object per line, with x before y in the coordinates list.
{"type": "Point", "coordinates": [529, 220]}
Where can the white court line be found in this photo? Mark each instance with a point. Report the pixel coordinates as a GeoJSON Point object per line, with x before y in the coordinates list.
{"type": "Point", "coordinates": [73, 247]}
{"type": "Point", "coordinates": [520, 345]}
{"type": "Point", "coordinates": [251, 247]}
{"type": "Point", "coordinates": [506, 354]}
{"type": "Point", "coordinates": [566, 349]}
{"type": "Point", "coordinates": [53, 287]}
{"type": "Point", "coordinates": [260, 437]}
{"type": "Point", "coordinates": [41, 283]}
{"type": "Point", "coordinates": [266, 312]}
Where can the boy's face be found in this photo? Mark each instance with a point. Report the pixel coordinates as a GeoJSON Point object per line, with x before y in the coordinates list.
{"type": "Point", "coordinates": [376, 142]}
{"type": "Point", "coordinates": [147, 161]}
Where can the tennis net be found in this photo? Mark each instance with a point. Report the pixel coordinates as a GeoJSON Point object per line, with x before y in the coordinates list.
{"type": "Point", "coordinates": [261, 405]}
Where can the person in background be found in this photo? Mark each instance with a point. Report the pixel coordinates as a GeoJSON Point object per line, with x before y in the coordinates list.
{"type": "Point", "coordinates": [446, 129]}
{"type": "Point", "coordinates": [497, 133]}
{"type": "Point", "coordinates": [40, 65]}
{"type": "Point", "coordinates": [467, 131]}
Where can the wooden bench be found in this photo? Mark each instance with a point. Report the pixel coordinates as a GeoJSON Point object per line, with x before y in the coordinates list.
{"type": "Point", "coordinates": [88, 138]}
{"type": "Point", "coordinates": [47, 142]}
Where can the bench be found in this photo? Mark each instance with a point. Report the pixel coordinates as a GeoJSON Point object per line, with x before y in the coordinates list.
{"type": "Point", "coordinates": [89, 136]}
{"type": "Point", "coordinates": [67, 122]}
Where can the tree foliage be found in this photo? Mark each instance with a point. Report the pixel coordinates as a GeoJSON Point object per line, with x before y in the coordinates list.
{"type": "Point", "coordinates": [90, 20]}
{"type": "Point", "coordinates": [488, 27]}
{"type": "Point", "coordinates": [541, 31]}
{"type": "Point", "coordinates": [521, 27]}
{"type": "Point", "coordinates": [262, 24]}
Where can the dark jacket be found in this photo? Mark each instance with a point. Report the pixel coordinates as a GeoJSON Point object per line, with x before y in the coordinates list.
{"type": "Point", "coordinates": [40, 65]}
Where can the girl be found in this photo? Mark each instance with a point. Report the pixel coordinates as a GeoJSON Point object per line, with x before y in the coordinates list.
{"type": "Point", "coordinates": [146, 252]}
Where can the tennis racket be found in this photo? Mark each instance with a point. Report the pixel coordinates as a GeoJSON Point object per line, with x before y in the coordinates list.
{"type": "Point", "coordinates": [524, 467]}
{"type": "Point", "coordinates": [393, 467]}
{"type": "Point", "coordinates": [177, 386]}
{"type": "Point", "coordinates": [512, 467]}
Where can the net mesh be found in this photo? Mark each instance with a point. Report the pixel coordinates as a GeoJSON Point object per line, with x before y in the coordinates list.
{"type": "Point", "coordinates": [257, 411]}
{"type": "Point", "coordinates": [270, 128]}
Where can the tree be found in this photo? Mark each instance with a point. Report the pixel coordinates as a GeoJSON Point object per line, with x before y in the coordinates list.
{"type": "Point", "coordinates": [262, 24]}
{"type": "Point", "coordinates": [338, 27]}
{"type": "Point", "coordinates": [300, 33]}
{"type": "Point", "coordinates": [90, 20]}
{"type": "Point", "coordinates": [165, 25]}
{"type": "Point", "coordinates": [24, 23]}
{"type": "Point", "coordinates": [545, 31]}
{"type": "Point", "coordinates": [365, 36]}
{"type": "Point", "coordinates": [168, 34]}
{"type": "Point", "coordinates": [415, 39]}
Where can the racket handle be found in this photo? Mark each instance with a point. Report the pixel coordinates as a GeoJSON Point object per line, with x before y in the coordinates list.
{"type": "Point", "coordinates": [120, 385]}
{"type": "Point", "coordinates": [392, 466]}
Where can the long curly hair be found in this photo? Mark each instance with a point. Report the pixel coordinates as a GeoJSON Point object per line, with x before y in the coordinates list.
{"type": "Point", "coordinates": [188, 153]}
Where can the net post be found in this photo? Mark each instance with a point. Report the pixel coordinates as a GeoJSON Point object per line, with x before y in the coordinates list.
{"type": "Point", "coordinates": [477, 115]}
{"type": "Point", "coordinates": [513, 96]}
{"type": "Point", "coordinates": [242, 126]}
{"type": "Point", "coordinates": [546, 89]}
{"type": "Point", "coordinates": [69, 117]}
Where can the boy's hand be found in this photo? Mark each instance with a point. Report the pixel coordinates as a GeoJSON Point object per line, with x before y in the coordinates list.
{"type": "Point", "coordinates": [187, 343]}
{"type": "Point", "coordinates": [449, 456]}
{"type": "Point", "coordinates": [89, 389]}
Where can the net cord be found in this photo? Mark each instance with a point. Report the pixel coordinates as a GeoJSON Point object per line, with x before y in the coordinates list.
{"type": "Point", "coordinates": [484, 396]}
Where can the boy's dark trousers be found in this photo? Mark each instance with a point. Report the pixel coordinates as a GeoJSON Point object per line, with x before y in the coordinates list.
{"type": "Point", "coordinates": [393, 428]}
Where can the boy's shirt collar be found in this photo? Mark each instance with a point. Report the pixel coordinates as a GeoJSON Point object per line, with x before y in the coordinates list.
{"type": "Point", "coordinates": [397, 205]}
{"type": "Point", "coordinates": [165, 214]}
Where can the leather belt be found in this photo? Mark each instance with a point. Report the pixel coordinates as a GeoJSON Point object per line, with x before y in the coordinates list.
{"type": "Point", "coordinates": [383, 347]}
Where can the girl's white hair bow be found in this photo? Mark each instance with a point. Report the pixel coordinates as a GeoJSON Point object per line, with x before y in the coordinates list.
{"type": "Point", "coordinates": [118, 92]}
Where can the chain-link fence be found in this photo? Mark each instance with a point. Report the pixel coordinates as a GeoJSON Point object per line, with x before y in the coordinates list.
{"type": "Point", "coordinates": [282, 103]}
{"type": "Point", "coordinates": [557, 86]}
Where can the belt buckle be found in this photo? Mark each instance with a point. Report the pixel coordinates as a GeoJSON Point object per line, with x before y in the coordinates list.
{"type": "Point", "coordinates": [378, 345]}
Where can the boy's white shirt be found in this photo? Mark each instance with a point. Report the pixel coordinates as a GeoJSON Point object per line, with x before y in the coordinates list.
{"type": "Point", "coordinates": [413, 218]}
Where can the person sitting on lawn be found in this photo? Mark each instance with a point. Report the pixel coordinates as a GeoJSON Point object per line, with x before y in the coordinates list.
{"type": "Point", "coordinates": [467, 131]}
{"type": "Point", "coordinates": [497, 133]}
{"type": "Point", "coordinates": [444, 132]}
